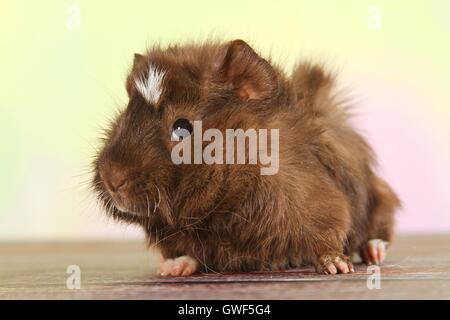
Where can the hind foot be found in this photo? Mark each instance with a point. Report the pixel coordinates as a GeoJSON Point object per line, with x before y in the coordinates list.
{"type": "Point", "coordinates": [374, 251]}
{"type": "Point", "coordinates": [333, 264]}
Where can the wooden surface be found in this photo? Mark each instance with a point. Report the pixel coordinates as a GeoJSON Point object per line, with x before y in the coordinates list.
{"type": "Point", "coordinates": [417, 267]}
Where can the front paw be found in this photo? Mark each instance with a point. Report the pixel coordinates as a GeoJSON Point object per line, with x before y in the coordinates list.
{"type": "Point", "coordinates": [333, 263]}
{"type": "Point", "coordinates": [181, 266]}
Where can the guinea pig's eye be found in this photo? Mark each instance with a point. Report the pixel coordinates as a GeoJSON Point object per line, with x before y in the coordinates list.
{"type": "Point", "coordinates": [181, 129]}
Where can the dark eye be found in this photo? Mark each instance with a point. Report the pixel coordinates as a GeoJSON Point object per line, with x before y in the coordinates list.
{"type": "Point", "coordinates": [181, 129]}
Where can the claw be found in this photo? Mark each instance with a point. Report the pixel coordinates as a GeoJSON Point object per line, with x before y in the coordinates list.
{"type": "Point", "coordinates": [331, 269]}
{"type": "Point", "coordinates": [382, 251]}
{"type": "Point", "coordinates": [341, 265]}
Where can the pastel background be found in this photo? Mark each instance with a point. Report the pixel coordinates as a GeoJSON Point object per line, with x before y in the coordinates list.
{"type": "Point", "coordinates": [63, 65]}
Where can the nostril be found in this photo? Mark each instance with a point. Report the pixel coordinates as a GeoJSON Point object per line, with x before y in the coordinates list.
{"type": "Point", "coordinates": [118, 183]}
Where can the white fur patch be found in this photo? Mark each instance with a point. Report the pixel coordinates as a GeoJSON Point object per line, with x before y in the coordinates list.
{"type": "Point", "coordinates": [150, 87]}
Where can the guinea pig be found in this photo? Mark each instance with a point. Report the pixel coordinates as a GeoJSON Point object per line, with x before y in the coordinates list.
{"type": "Point", "coordinates": [322, 203]}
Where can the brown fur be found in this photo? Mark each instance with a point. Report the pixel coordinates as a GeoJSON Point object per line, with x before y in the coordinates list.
{"type": "Point", "coordinates": [325, 199]}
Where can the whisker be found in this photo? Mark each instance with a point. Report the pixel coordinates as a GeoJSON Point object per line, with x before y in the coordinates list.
{"type": "Point", "coordinates": [148, 206]}
{"type": "Point", "coordinates": [159, 199]}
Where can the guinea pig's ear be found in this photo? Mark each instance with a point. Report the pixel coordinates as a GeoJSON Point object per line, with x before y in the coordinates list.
{"type": "Point", "coordinates": [241, 68]}
{"type": "Point", "coordinates": [138, 64]}
{"type": "Point", "coordinates": [139, 60]}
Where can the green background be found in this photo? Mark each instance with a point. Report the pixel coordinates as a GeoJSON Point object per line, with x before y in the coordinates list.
{"type": "Point", "coordinates": [59, 85]}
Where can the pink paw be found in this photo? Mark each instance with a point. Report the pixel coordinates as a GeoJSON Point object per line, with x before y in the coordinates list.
{"type": "Point", "coordinates": [181, 266]}
{"type": "Point", "coordinates": [374, 251]}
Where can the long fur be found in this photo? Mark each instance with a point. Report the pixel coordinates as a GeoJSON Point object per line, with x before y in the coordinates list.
{"type": "Point", "coordinates": [325, 200]}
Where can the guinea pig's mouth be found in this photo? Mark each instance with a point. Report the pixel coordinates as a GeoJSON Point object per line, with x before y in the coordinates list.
{"type": "Point", "coordinates": [122, 209]}
{"type": "Point", "coordinates": [134, 195]}
{"type": "Point", "coordinates": [115, 204]}
{"type": "Point", "coordinates": [142, 205]}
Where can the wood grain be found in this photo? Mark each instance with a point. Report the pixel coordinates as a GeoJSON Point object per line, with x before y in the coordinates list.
{"type": "Point", "coordinates": [418, 267]}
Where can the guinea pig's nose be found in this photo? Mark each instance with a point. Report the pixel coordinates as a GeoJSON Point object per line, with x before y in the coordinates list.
{"type": "Point", "coordinates": [117, 182]}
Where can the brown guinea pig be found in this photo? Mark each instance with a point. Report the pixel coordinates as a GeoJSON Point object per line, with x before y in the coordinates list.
{"type": "Point", "coordinates": [321, 203]}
